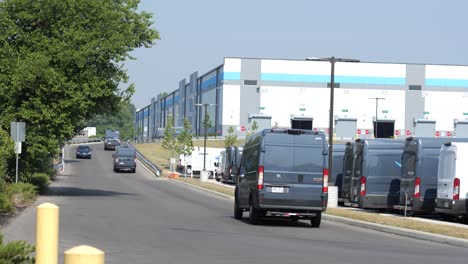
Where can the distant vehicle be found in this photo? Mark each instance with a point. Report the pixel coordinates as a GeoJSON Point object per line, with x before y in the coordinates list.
{"type": "Point", "coordinates": [83, 151]}
{"type": "Point", "coordinates": [124, 159]}
{"type": "Point", "coordinates": [420, 164]}
{"type": "Point", "coordinates": [452, 183]}
{"type": "Point", "coordinates": [284, 173]}
{"type": "Point", "coordinates": [112, 134]}
{"type": "Point", "coordinates": [111, 139]}
{"type": "Point", "coordinates": [236, 163]}
{"type": "Point", "coordinates": [194, 163]}
{"type": "Point", "coordinates": [348, 162]}
{"type": "Point", "coordinates": [230, 154]}
{"type": "Point", "coordinates": [377, 172]}
{"type": "Point", "coordinates": [220, 165]}
{"type": "Point", "coordinates": [336, 176]}
{"type": "Point", "coordinates": [111, 144]}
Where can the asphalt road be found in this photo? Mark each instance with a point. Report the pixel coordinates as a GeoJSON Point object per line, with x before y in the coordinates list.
{"type": "Point", "coordinates": [136, 218]}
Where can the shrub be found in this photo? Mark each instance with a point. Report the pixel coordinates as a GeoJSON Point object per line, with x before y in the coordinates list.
{"type": "Point", "coordinates": [41, 181]}
{"type": "Point", "coordinates": [16, 252]}
{"type": "Point", "coordinates": [6, 206]}
{"type": "Point", "coordinates": [21, 194]}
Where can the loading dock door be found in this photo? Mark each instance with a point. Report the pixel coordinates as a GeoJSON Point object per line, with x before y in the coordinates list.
{"type": "Point", "coordinates": [263, 121]}
{"type": "Point", "coordinates": [305, 123]}
{"type": "Point", "coordinates": [461, 128]}
{"type": "Point", "coordinates": [345, 127]}
{"type": "Point", "coordinates": [385, 129]}
{"type": "Point", "coordinates": [424, 128]}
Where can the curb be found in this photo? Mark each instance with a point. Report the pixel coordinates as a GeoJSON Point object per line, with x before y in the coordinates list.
{"type": "Point", "coordinates": [204, 189]}
{"type": "Point", "coordinates": [399, 231]}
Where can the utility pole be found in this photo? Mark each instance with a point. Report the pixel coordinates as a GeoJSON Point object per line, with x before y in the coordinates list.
{"type": "Point", "coordinates": [331, 120]}
{"type": "Point", "coordinates": [376, 112]}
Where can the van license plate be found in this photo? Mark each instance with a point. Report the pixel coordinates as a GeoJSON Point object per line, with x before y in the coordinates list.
{"type": "Point", "coordinates": [277, 189]}
{"type": "Point", "coordinates": [446, 205]}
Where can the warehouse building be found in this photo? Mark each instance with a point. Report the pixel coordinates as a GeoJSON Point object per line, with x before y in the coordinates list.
{"type": "Point", "coordinates": [413, 99]}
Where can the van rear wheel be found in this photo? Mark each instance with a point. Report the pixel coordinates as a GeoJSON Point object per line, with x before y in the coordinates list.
{"type": "Point", "coordinates": [237, 211]}
{"type": "Point", "coordinates": [253, 215]}
{"type": "Point", "coordinates": [315, 221]}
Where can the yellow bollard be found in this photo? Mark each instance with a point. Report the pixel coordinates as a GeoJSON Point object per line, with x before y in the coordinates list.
{"type": "Point", "coordinates": [84, 255]}
{"type": "Point", "coordinates": [47, 229]}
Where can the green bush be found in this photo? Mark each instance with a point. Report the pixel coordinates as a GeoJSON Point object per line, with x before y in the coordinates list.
{"type": "Point", "coordinates": [41, 181]}
{"type": "Point", "coordinates": [21, 194]}
{"type": "Point", "coordinates": [6, 206]}
{"type": "Point", "coordinates": [16, 252]}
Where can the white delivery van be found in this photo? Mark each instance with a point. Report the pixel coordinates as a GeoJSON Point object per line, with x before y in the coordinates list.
{"type": "Point", "coordinates": [452, 181]}
{"type": "Point", "coordinates": [195, 162]}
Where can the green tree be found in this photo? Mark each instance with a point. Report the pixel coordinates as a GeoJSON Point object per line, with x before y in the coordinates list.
{"type": "Point", "coordinates": [207, 121]}
{"type": "Point", "coordinates": [185, 140]}
{"type": "Point", "coordinates": [169, 141]}
{"type": "Point", "coordinates": [123, 121]}
{"type": "Point", "coordinates": [231, 138]}
{"type": "Point", "coordinates": [62, 63]}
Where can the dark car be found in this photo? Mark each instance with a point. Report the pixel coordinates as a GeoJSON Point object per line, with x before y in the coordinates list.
{"type": "Point", "coordinates": [83, 152]}
{"type": "Point", "coordinates": [124, 159]}
{"type": "Point", "coordinates": [284, 173]}
{"type": "Point", "coordinates": [111, 143]}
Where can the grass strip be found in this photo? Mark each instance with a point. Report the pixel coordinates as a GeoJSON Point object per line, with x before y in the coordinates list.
{"type": "Point", "coordinates": [397, 221]}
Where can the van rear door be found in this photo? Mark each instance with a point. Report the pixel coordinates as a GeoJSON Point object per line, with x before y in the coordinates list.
{"type": "Point", "coordinates": [293, 169]}
{"type": "Point", "coordinates": [309, 160]}
{"type": "Point", "coordinates": [446, 175]}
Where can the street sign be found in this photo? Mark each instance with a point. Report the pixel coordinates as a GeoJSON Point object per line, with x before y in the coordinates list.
{"type": "Point", "coordinates": [18, 147]}
{"type": "Point", "coordinates": [385, 111]}
{"type": "Point", "coordinates": [261, 108]}
{"type": "Point", "coordinates": [426, 113]}
{"type": "Point", "coordinates": [465, 113]}
{"type": "Point", "coordinates": [344, 110]}
{"type": "Point", "coordinates": [302, 109]}
{"type": "Point", "coordinates": [18, 131]}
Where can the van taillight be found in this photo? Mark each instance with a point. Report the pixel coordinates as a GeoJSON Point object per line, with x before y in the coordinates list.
{"type": "Point", "coordinates": [325, 181]}
{"type": "Point", "coordinates": [363, 186]}
{"type": "Point", "coordinates": [260, 178]}
{"type": "Point", "coordinates": [417, 187]}
{"type": "Point", "coordinates": [456, 189]}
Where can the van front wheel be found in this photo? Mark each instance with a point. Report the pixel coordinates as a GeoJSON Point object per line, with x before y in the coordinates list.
{"type": "Point", "coordinates": [315, 221]}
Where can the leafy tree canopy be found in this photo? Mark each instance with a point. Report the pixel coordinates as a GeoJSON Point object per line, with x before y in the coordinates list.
{"type": "Point", "coordinates": [123, 121]}
{"type": "Point", "coordinates": [62, 64]}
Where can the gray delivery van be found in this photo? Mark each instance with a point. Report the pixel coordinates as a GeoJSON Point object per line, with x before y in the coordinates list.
{"type": "Point", "coordinates": [229, 164]}
{"type": "Point", "coordinates": [284, 173]}
{"type": "Point", "coordinates": [348, 162]}
{"type": "Point", "coordinates": [376, 175]}
{"type": "Point", "coordinates": [420, 162]}
{"type": "Point", "coordinates": [336, 176]}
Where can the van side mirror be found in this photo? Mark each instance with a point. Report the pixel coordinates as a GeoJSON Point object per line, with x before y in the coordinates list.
{"type": "Point", "coordinates": [263, 149]}
{"type": "Point", "coordinates": [113, 155]}
{"type": "Point", "coordinates": [325, 152]}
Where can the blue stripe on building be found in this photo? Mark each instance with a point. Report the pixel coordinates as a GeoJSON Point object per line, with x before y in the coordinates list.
{"type": "Point", "coordinates": [230, 76]}
{"type": "Point", "coordinates": [279, 77]}
{"type": "Point", "coordinates": [447, 82]}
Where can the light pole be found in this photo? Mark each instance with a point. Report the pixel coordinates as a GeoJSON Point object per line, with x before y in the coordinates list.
{"type": "Point", "coordinates": [376, 112]}
{"type": "Point", "coordinates": [332, 61]}
{"type": "Point", "coordinates": [204, 143]}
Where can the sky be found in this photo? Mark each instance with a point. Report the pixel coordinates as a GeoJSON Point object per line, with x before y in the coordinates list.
{"type": "Point", "coordinates": [197, 35]}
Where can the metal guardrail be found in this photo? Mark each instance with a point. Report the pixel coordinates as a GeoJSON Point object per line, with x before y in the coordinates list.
{"type": "Point", "coordinates": [148, 164]}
